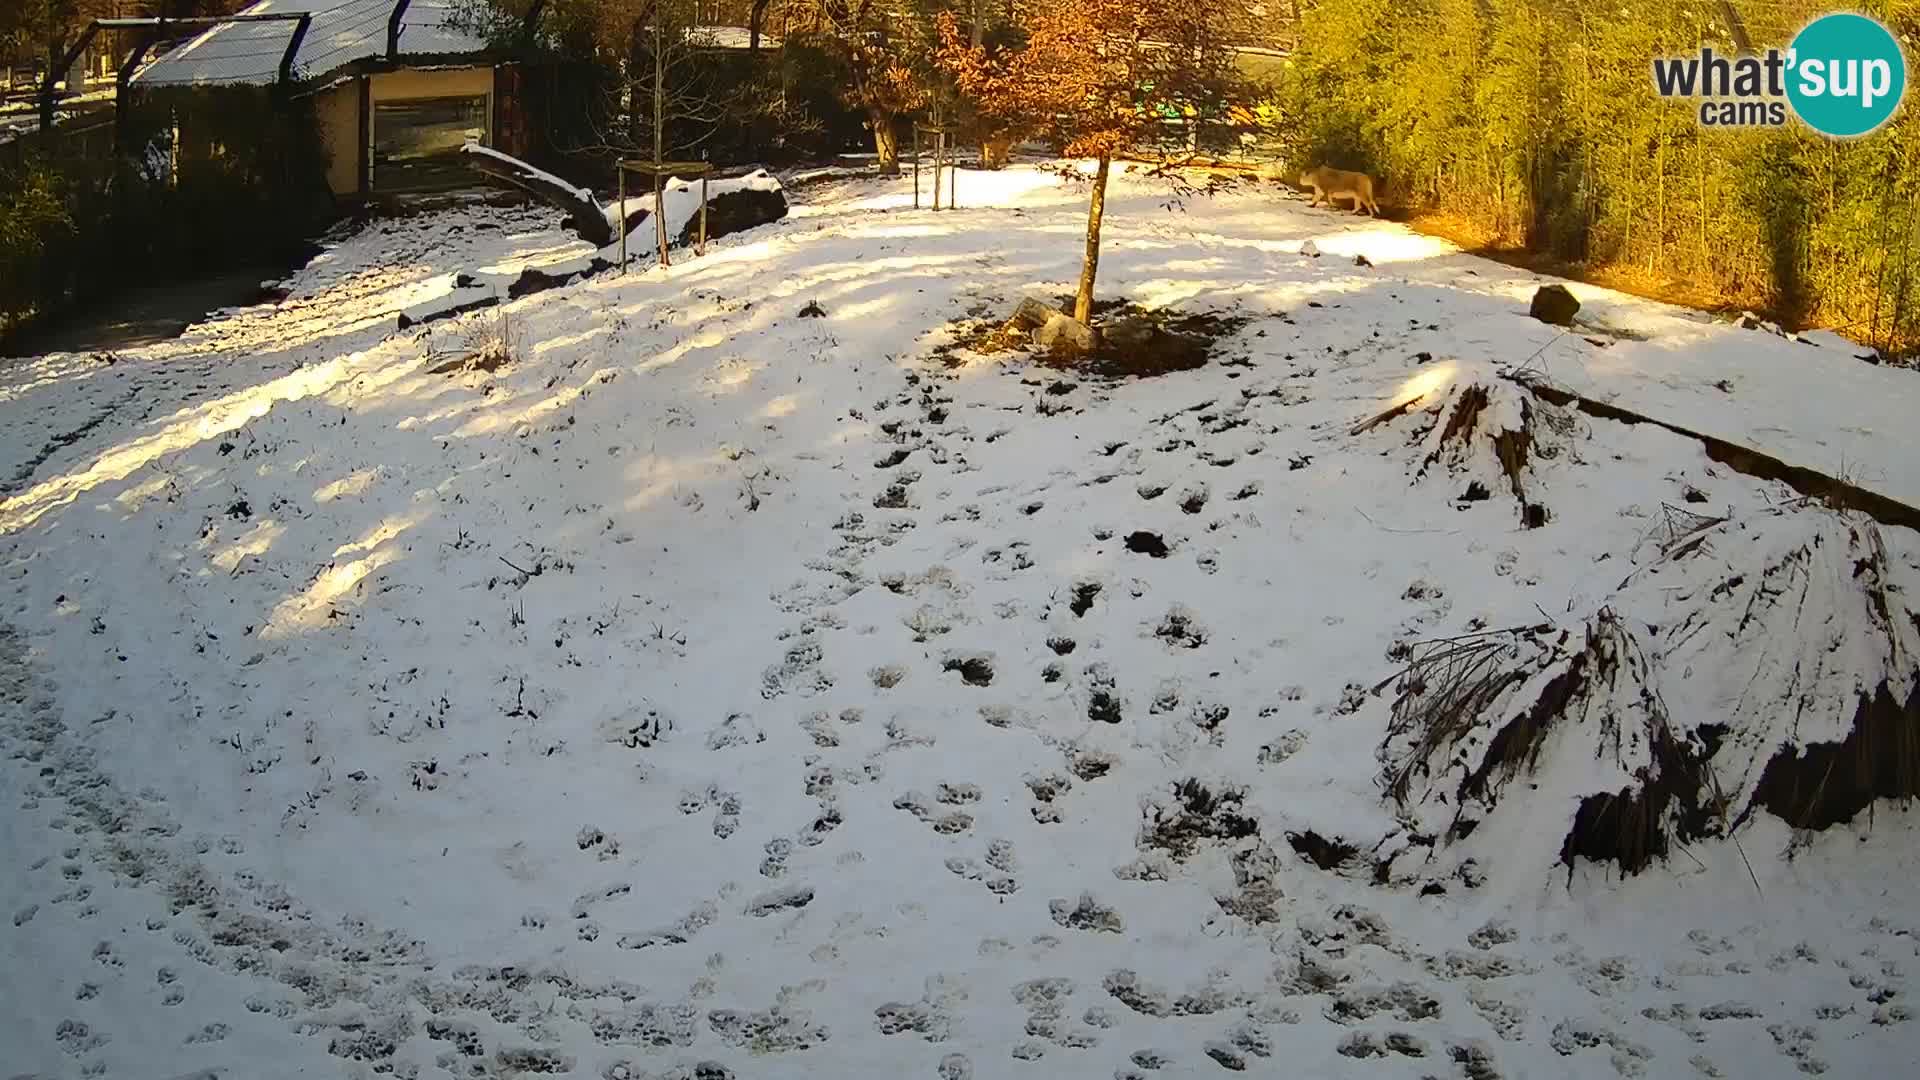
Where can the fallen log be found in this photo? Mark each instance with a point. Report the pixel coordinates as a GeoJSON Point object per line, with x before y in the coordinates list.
{"type": "Point", "coordinates": [585, 217]}
{"type": "Point", "coordinates": [1808, 482]}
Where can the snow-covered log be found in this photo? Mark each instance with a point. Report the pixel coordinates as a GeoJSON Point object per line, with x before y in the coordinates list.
{"type": "Point", "coordinates": [584, 215]}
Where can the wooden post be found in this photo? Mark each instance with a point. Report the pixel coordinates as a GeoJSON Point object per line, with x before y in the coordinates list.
{"type": "Point", "coordinates": [621, 168]}
{"type": "Point", "coordinates": [916, 166]}
{"type": "Point", "coordinates": [701, 247]}
{"type": "Point", "coordinates": [120, 83]}
{"type": "Point", "coordinates": [659, 144]}
{"type": "Point", "coordinates": [660, 218]}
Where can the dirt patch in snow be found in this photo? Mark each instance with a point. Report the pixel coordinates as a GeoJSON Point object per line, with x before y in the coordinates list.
{"type": "Point", "coordinates": [1132, 342]}
{"type": "Point", "coordinates": [1196, 814]}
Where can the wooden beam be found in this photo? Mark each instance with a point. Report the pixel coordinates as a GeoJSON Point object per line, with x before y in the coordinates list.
{"type": "Point", "coordinates": [393, 27]}
{"type": "Point", "coordinates": [125, 75]}
{"type": "Point", "coordinates": [59, 72]}
{"type": "Point", "coordinates": [364, 148]}
{"type": "Point", "coordinates": [589, 220]}
{"type": "Point", "coordinates": [293, 47]}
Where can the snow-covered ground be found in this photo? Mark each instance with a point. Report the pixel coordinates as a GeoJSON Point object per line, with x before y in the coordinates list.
{"type": "Point", "coordinates": [718, 691]}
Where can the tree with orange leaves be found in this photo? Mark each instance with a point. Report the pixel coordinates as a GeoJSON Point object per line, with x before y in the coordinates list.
{"type": "Point", "coordinates": [1108, 78]}
{"type": "Point", "coordinates": [968, 55]}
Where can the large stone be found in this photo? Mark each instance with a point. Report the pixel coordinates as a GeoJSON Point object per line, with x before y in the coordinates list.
{"type": "Point", "coordinates": [1554, 304]}
{"type": "Point", "coordinates": [1032, 314]}
{"type": "Point", "coordinates": [1064, 334]}
{"type": "Point", "coordinates": [533, 280]}
{"type": "Point", "coordinates": [1128, 334]}
{"type": "Point", "coordinates": [736, 211]}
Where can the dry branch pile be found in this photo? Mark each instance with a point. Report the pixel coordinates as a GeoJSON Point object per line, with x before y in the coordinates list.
{"type": "Point", "coordinates": [1762, 663]}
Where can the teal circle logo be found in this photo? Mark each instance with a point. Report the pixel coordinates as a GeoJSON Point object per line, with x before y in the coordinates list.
{"type": "Point", "coordinates": [1846, 75]}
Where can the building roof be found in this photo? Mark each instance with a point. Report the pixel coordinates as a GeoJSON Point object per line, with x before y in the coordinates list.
{"type": "Point", "coordinates": [342, 31]}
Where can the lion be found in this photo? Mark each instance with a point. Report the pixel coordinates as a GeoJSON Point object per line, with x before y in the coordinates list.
{"type": "Point", "coordinates": [1329, 184]}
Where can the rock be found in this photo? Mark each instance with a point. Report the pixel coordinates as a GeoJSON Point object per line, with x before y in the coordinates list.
{"type": "Point", "coordinates": [533, 280]}
{"type": "Point", "coordinates": [1032, 314]}
{"type": "Point", "coordinates": [428, 313]}
{"type": "Point", "coordinates": [1310, 249]}
{"type": "Point", "coordinates": [1064, 334]}
{"type": "Point", "coordinates": [736, 211]}
{"type": "Point", "coordinates": [1129, 334]}
{"type": "Point", "coordinates": [1554, 304]}
{"type": "Point", "coordinates": [813, 310]}
{"type": "Point", "coordinates": [1749, 321]}
{"type": "Point", "coordinates": [1362, 260]}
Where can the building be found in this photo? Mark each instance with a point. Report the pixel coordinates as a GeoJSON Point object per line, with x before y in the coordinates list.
{"type": "Point", "coordinates": [397, 86]}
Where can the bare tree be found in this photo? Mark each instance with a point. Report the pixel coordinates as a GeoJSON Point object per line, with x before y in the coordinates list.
{"type": "Point", "coordinates": [660, 95]}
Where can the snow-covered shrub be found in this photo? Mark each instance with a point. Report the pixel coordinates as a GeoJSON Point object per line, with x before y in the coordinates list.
{"type": "Point", "coordinates": [1769, 662]}
{"type": "Point", "coordinates": [1481, 432]}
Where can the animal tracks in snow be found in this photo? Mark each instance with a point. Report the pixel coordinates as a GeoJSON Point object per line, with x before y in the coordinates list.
{"type": "Point", "coordinates": [1018, 734]}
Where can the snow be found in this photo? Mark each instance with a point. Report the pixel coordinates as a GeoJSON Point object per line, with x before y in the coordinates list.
{"type": "Point", "coordinates": [719, 685]}
{"type": "Point", "coordinates": [341, 32]}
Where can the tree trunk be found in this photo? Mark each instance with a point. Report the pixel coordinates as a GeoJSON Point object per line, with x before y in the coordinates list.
{"type": "Point", "coordinates": [886, 141]}
{"type": "Point", "coordinates": [1096, 209]}
{"type": "Point", "coordinates": [756, 18]}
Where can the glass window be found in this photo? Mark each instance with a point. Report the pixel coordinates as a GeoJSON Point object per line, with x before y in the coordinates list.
{"type": "Point", "coordinates": [416, 143]}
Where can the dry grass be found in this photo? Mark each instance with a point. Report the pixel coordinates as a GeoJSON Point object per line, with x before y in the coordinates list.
{"type": "Point", "coordinates": [1445, 690]}
{"type": "Point", "coordinates": [1461, 439]}
{"type": "Point", "coordinates": [1823, 784]}
{"type": "Point", "coordinates": [489, 343]}
{"type": "Point", "coordinates": [1829, 783]}
{"type": "Point", "coordinates": [1474, 714]}
{"type": "Point", "coordinates": [1458, 705]}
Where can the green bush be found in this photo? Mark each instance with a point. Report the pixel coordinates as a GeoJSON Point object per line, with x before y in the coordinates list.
{"type": "Point", "coordinates": [33, 218]}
